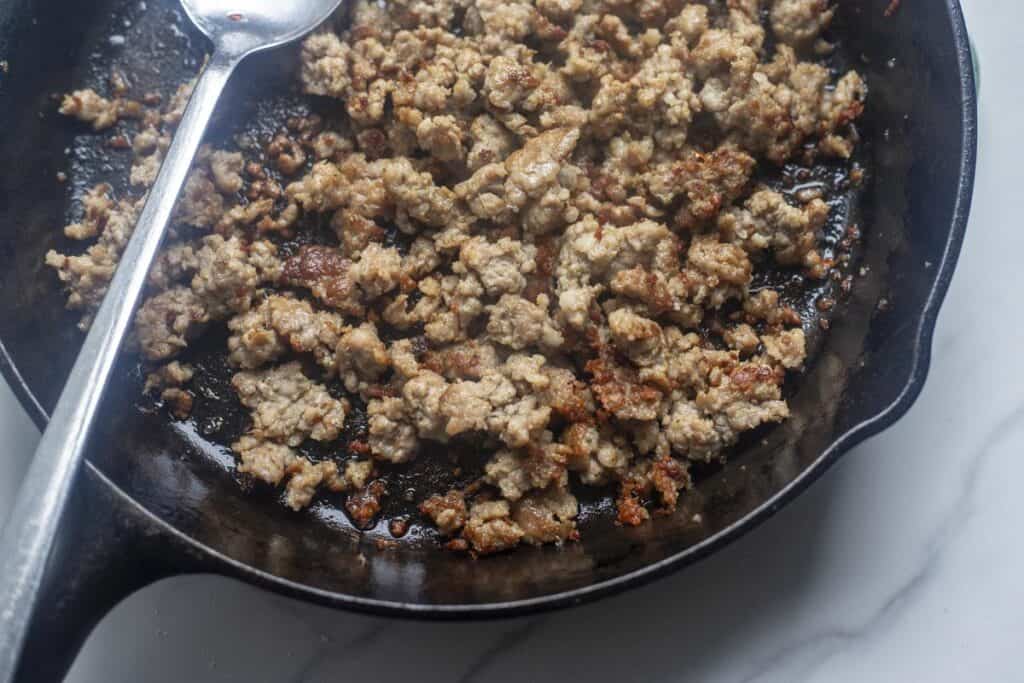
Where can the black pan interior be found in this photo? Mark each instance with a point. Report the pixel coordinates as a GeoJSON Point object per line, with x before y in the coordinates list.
{"type": "Point", "coordinates": [181, 471]}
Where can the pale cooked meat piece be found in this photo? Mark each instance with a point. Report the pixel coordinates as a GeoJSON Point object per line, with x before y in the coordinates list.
{"type": "Point", "coordinates": [490, 528]}
{"type": "Point", "coordinates": [659, 99]}
{"type": "Point", "coordinates": [173, 374]}
{"type": "Point", "coordinates": [597, 455]}
{"type": "Point", "coordinates": [767, 221]}
{"type": "Point", "coordinates": [165, 323]}
{"type": "Point", "coordinates": [97, 206]}
{"type": "Point", "coordinates": [226, 170]}
{"type": "Point", "coordinates": [168, 380]}
{"type": "Point", "coordinates": [507, 83]}
{"type": "Point", "coordinates": [378, 270]}
{"type": "Point", "coordinates": [636, 337]}
{"type": "Point", "coordinates": [547, 516]}
{"type": "Point", "coordinates": [484, 193]}
{"type": "Point", "coordinates": [515, 473]}
{"type": "Point", "coordinates": [519, 324]}
{"type": "Point", "coordinates": [743, 338]}
{"type": "Point", "coordinates": [175, 264]}
{"type": "Point", "coordinates": [449, 306]}
{"type": "Point", "coordinates": [800, 22]}
{"type": "Point", "coordinates": [229, 271]}
{"type": "Point", "coordinates": [421, 259]}
{"type": "Point", "coordinates": [841, 107]}
{"type": "Point", "coordinates": [86, 276]}
{"type": "Point", "coordinates": [392, 435]}
{"type": "Point", "coordinates": [417, 198]}
{"type": "Point", "coordinates": [325, 65]}
{"type": "Point", "coordinates": [501, 266]}
{"type": "Point", "coordinates": [491, 143]}
{"type": "Point", "coordinates": [781, 104]}
{"type": "Point", "coordinates": [745, 398]}
{"type": "Point", "coordinates": [200, 205]}
{"type": "Point", "coordinates": [273, 463]}
{"type": "Point", "coordinates": [362, 358]}
{"type": "Point", "coordinates": [265, 460]}
{"type": "Point", "coordinates": [507, 402]}
{"type": "Point", "coordinates": [534, 168]}
{"type": "Point", "coordinates": [767, 306]}
{"type": "Point", "coordinates": [441, 136]}
{"type": "Point", "coordinates": [307, 477]}
{"type": "Point", "coordinates": [90, 107]}
{"type": "Point", "coordinates": [692, 433]}
{"type": "Point", "coordinates": [280, 324]}
{"type": "Point", "coordinates": [787, 348]}
{"type": "Point", "coordinates": [288, 407]}
{"type": "Point", "coordinates": [716, 271]}
{"type": "Point", "coordinates": [325, 188]}
{"type": "Point", "coordinates": [593, 254]}
{"type": "Point", "coordinates": [254, 341]}
{"type": "Point", "coordinates": [569, 397]}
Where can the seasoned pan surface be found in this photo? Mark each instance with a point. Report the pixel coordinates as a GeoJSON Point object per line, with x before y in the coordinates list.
{"type": "Point", "coordinates": [909, 211]}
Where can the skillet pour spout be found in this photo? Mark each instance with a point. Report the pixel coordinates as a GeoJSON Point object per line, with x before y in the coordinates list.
{"type": "Point", "coordinates": [158, 499]}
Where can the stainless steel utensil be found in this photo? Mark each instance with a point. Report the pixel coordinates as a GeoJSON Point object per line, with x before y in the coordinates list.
{"type": "Point", "coordinates": [238, 28]}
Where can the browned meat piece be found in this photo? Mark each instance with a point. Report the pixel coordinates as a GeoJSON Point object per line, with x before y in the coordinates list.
{"type": "Point", "coordinates": [490, 528]}
{"type": "Point", "coordinates": [547, 517]}
{"type": "Point", "coordinates": [621, 394]}
{"type": "Point", "coordinates": [326, 273]}
{"type": "Point", "coordinates": [468, 360]}
{"type": "Point", "coordinates": [709, 182]}
{"type": "Point", "coordinates": [364, 505]}
{"type": "Point", "coordinates": [448, 512]}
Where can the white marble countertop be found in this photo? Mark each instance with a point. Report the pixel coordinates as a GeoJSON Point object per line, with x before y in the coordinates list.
{"type": "Point", "coordinates": [901, 564]}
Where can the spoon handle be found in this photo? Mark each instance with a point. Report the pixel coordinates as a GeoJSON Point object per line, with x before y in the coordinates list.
{"type": "Point", "coordinates": [28, 535]}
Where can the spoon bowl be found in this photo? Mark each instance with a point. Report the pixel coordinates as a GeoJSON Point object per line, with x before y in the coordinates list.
{"type": "Point", "coordinates": [254, 25]}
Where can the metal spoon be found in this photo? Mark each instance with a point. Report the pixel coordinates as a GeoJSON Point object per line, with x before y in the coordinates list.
{"type": "Point", "coordinates": [238, 28]}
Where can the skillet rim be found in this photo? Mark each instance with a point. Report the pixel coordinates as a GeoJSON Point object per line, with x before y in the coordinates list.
{"type": "Point", "coordinates": [885, 417]}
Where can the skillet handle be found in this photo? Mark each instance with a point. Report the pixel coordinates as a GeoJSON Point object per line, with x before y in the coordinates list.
{"type": "Point", "coordinates": [27, 539]}
{"type": "Point", "coordinates": [104, 551]}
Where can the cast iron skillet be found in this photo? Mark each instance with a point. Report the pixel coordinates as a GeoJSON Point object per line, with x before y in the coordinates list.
{"type": "Point", "coordinates": [157, 499]}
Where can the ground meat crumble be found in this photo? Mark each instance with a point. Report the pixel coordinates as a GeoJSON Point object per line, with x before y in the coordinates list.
{"type": "Point", "coordinates": [572, 184]}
